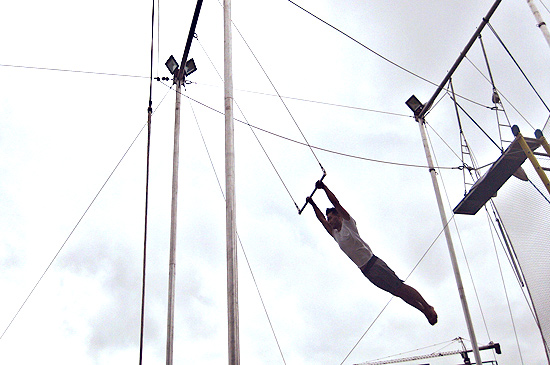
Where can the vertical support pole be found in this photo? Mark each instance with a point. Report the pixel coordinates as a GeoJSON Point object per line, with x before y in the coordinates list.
{"type": "Point", "coordinates": [173, 226]}
{"type": "Point", "coordinates": [463, 301]}
{"type": "Point", "coordinates": [231, 225]}
{"type": "Point", "coordinates": [540, 23]}
{"type": "Point", "coordinates": [179, 78]}
{"type": "Point", "coordinates": [532, 157]}
{"type": "Point", "coordinates": [419, 116]}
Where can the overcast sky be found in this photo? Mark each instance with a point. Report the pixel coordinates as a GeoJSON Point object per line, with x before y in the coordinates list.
{"type": "Point", "coordinates": [62, 133]}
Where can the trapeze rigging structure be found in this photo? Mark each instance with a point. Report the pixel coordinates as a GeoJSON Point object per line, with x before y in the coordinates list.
{"type": "Point", "coordinates": [463, 353]}
{"type": "Point", "coordinates": [502, 169]}
{"type": "Point", "coordinates": [486, 187]}
{"type": "Point", "coordinates": [420, 110]}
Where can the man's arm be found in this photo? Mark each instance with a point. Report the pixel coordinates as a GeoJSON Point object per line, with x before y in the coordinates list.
{"type": "Point", "coordinates": [320, 215]}
{"type": "Point", "coordinates": [330, 195]}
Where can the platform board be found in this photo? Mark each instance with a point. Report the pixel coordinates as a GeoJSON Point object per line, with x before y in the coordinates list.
{"type": "Point", "coordinates": [502, 169]}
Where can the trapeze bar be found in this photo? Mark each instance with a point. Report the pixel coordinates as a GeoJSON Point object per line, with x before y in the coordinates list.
{"type": "Point", "coordinates": [311, 196]}
{"type": "Point", "coordinates": [502, 169]}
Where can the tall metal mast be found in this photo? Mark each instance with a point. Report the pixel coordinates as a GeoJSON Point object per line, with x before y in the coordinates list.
{"type": "Point", "coordinates": [179, 78]}
{"type": "Point", "coordinates": [420, 112]}
{"type": "Point", "coordinates": [450, 246]}
{"type": "Point", "coordinates": [540, 23]}
{"type": "Point", "coordinates": [173, 228]}
{"type": "Point", "coordinates": [231, 225]}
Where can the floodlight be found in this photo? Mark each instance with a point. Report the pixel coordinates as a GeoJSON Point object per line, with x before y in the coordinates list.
{"type": "Point", "coordinates": [172, 65]}
{"type": "Point", "coordinates": [190, 67]}
{"type": "Point", "coordinates": [414, 104]}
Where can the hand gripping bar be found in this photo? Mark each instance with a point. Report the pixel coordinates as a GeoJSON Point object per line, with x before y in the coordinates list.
{"type": "Point", "coordinates": [311, 196]}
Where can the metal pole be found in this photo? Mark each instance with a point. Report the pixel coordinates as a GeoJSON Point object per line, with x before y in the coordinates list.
{"type": "Point", "coordinates": [419, 116]}
{"type": "Point", "coordinates": [540, 23]}
{"type": "Point", "coordinates": [173, 227]}
{"type": "Point", "coordinates": [484, 22]}
{"type": "Point", "coordinates": [231, 226]}
{"type": "Point", "coordinates": [467, 317]}
{"type": "Point", "coordinates": [181, 72]}
{"type": "Point", "coordinates": [179, 78]}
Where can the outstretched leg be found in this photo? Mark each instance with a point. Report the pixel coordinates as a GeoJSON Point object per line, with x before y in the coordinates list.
{"type": "Point", "coordinates": [378, 272]}
{"type": "Point", "coordinates": [411, 296]}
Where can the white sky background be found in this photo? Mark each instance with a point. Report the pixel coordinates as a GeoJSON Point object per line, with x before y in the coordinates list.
{"type": "Point", "coordinates": [62, 133]}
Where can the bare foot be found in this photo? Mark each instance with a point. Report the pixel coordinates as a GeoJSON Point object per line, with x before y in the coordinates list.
{"type": "Point", "coordinates": [431, 315]}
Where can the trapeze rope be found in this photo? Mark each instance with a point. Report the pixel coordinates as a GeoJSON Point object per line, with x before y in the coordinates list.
{"type": "Point", "coordinates": [280, 97]}
{"type": "Point", "coordinates": [251, 129]}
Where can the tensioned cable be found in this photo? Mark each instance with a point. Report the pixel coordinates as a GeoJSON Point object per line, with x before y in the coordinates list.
{"type": "Point", "coordinates": [198, 83]}
{"type": "Point", "coordinates": [251, 129]}
{"type": "Point", "coordinates": [269, 158]}
{"type": "Point", "coordinates": [376, 53]}
{"type": "Point", "coordinates": [544, 6]}
{"type": "Point", "coordinates": [473, 159]}
{"type": "Point", "coordinates": [446, 344]}
{"type": "Point", "coordinates": [314, 101]}
{"type": "Point", "coordinates": [494, 90]}
{"type": "Point", "coordinates": [408, 276]}
{"type": "Point", "coordinates": [238, 237]}
{"type": "Point", "coordinates": [539, 191]}
{"type": "Point", "coordinates": [342, 105]}
{"type": "Point", "coordinates": [279, 95]}
{"type": "Point", "coordinates": [462, 246]}
{"type": "Point", "coordinates": [518, 66]}
{"type": "Point", "coordinates": [495, 98]}
{"type": "Point", "coordinates": [321, 148]}
{"type": "Point", "coordinates": [477, 125]}
{"type": "Point", "coordinates": [502, 276]}
{"type": "Point", "coordinates": [77, 224]}
{"type": "Point", "coordinates": [499, 93]}
{"type": "Point", "coordinates": [248, 91]}
{"type": "Point", "coordinates": [545, 124]}
{"type": "Point", "coordinates": [146, 217]}
{"type": "Point", "coordinates": [223, 194]}
{"type": "Point", "coordinates": [362, 45]}
{"type": "Point", "coordinates": [510, 259]}
{"type": "Point", "coordinates": [74, 71]}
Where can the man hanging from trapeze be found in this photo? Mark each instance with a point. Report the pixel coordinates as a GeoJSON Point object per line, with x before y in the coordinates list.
{"type": "Point", "coordinates": [341, 226]}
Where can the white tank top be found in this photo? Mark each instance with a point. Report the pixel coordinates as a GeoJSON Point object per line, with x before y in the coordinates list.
{"type": "Point", "coordinates": [351, 243]}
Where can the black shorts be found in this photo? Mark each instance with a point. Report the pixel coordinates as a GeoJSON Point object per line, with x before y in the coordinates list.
{"type": "Point", "coordinates": [379, 273]}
